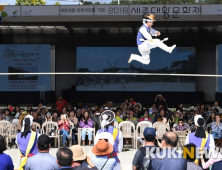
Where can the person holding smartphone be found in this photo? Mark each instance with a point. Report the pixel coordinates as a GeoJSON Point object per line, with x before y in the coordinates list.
{"type": "Point", "coordinates": [64, 129]}
{"type": "Point", "coordinates": [159, 100]}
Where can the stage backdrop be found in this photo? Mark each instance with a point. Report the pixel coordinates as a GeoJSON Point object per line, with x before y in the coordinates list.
{"type": "Point", "coordinates": [25, 59]}
{"type": "Point", "coordinates": [115, 60]}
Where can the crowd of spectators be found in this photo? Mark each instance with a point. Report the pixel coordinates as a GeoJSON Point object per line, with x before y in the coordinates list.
{"type": "Point", "coordinates": [88, 117]}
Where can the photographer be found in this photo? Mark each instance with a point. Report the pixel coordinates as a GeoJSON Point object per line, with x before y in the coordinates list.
{"type": "Point", "coordinates": [64, 129]}
{"type": "Point", "coordinates": [159, 100]}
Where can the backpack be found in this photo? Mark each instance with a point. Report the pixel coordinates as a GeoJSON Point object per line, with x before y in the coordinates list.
{"type": "Point", "coordinates": [146, 161]}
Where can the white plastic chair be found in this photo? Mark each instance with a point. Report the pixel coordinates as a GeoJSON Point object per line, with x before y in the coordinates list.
{"type": "Point", "coordinates": [208, 126]}
{"type": "Point", "coordinates": [4, 122]}
{"type": "Point", "coordinates": [2, 130]}
{"type": "Point", "coordinates": [80, 135]}
{"type": "Point", "coordinates": [36, 125]}
{"type": "Point", "coordinates": [126, 127]}
{"type": "Point", "coordinates": [181, 138]}
{"type": "Point", "coordinates": [160, 129]}
{"type": "Point", "coordinates": [116, 125]}
{"type": "Point", "coordinates": [141, 126]}
{"type": "Point", "coordinates": [47, 127]}
{"type": "Point", "coordinates": [11, 131]}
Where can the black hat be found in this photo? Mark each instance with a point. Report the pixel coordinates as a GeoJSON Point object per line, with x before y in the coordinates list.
{"type": "Point", "coordinates": [43, 141]}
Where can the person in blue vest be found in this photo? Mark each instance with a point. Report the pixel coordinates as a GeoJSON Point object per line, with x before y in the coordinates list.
{"type": "Point", "coordinates": [145, 42]}
{"type": "Point", "coordinates": [200, 138]}
{"type": "Point", "coordinates": [107, 125]}
{"type": "Point", "coordinates": [27, 141]}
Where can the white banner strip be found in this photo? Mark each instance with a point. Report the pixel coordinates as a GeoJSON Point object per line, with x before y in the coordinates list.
{"type": "Point", "coordinates": [127, 74]}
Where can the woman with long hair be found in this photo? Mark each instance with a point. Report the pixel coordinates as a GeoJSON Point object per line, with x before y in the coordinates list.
{"type": "Point", "coordinates": [64, 110]}
{"type": "Point", "coordinates": [72, 118]}
{"type": "Point", "coordinates": [55, 116]}
{"type": "Point", "coordinates": [86, 124]}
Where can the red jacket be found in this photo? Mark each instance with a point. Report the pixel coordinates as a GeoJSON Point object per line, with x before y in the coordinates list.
{"type": "Point", "coordinates": [61, 105]}
{"type": "Point", "coordinates": [63, 125]}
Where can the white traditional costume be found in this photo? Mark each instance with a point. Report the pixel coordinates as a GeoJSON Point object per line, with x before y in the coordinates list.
{"type": "Point", "coordinates": [146, 43]}
{"type": "Point", "coordinates": [111, 134]}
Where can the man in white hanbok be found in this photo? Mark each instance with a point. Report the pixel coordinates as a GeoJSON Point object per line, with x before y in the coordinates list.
{"type": "Point", "coordinates": [145, 41]}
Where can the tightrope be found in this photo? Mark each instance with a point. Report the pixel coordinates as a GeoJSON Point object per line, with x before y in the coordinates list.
{"type": "Point", "coordinates": [126, 74]}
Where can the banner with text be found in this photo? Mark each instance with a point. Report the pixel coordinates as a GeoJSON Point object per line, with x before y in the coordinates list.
{"type": "Point", "coordinates": [25, 59]}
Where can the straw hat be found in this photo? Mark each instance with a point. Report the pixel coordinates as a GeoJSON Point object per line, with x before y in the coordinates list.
{"type": "Point", "coordinates": [102, 148]}
{"type": "Point", "coordinates": [178, 111]}
{"type": "Point", "coordinates": [78, 154]}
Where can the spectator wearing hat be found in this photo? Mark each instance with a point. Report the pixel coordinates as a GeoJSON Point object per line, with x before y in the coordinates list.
{"type": "Point", "coordinates": [177, 116]}
{"type": "Point", "coordinates": [149, 135]}
{"type": "Point", "coordinates": [80, 159]}
{"type": "Point", "coordinates": [200, 138]}
{"type": "Point", "coordinates": [102, 161]}
{"type": "Point", "coordinates": [107, 125]}
{"type": "Point", "coordinates": [43, 154]}
{"type": "Point", "coordinates": [6, 160]}
{"type": "Point", "coordinates": [145, 117]}
{"type": "Point", "coordinates": [60, 103]}
{"type": "Point", "coordinates": [131, 117]}
{"type": "Point", "coordinates": [48, 117]}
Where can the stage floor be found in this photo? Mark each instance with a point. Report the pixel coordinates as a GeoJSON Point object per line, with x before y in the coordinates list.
{"type": "Point", "coordinates": [126, 158]}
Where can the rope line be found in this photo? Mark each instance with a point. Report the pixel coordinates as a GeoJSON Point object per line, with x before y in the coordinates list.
{"type": "Point", "coordinates": [126, 74]}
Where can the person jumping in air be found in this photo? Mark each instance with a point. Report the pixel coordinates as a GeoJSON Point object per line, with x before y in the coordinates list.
{"type": "Point", "coordinates": [146, 43]}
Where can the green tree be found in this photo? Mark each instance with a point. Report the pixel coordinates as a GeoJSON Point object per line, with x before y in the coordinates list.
{"type": "Point", "coordinates": [57, 3]}
{"type": "Point", "coordinates": [96, 3]}
{"type": "Point", "coordinates": [30, 2]}
{"type": "Point", "coordinates": [87, 3]}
